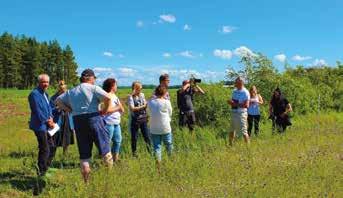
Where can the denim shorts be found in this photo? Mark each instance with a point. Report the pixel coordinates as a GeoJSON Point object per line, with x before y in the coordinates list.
{"type": "Point", "coordinates": [90, 128]}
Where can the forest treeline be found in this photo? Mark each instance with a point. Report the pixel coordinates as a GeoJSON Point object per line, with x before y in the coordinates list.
{"type": "Point", "coordinates": [23, 58]}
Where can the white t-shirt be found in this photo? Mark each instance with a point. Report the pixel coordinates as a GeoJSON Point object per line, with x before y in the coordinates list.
{"type": "Point", "coordinates": [160, 116]}
{"type": "Point", "coordinates": [240, 95]}
{"type": "Point", "coordinates": [113, 118]}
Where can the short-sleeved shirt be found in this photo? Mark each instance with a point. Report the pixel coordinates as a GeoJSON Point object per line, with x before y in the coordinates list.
{"type": "Point", "coordinates": [113, 118]}
{"type": "Point", "coordinates": [185, 100]}
{"type": "Point", "coordinates": [84, 98]}
{"type": "Point", "coordinates": [136, 101]}
{"type": "Point", "coordinates": [240, 95]}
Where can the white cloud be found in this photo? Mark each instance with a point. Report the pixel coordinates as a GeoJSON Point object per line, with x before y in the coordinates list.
{"type": "Point", "coordinates": [169, 18]}
{"type": "Point", "coordinates": [301, 58]}
{"type": "Point", "coordinates": [126, 72]}
{"type": "Point", "coordinates": [224, 54]}
{"type": "Point", "coordinates": [227, 29]}
{"type": "Point", "coordinates": [280, 57]}
{"type": "Point", "coordinates": [187, 54]}
{"type": "Point", "coordinates": [139, 24]}
{"type": "Point", "coordinates": [148, 74]}
{"type": "Point", "coordinates": [108, 54]}
{"type": "Point", "coordinates": [186, 27]}
{"type": "Point", "coordinates": [166, 55]}
{"type": "Point", "coordinates": [319, 62]}
{"type": "Point", "coordinates": [121, 56]}
{"type": "Point", "coordinates": [102, 69]}
{"type": "Point", "coordinates": [243, 51]}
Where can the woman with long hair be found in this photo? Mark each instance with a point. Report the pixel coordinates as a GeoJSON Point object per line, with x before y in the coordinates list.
{"type": "Point", "coordinates": [279, 108]}
{"type": "Point", "coordinates": [254, 113]}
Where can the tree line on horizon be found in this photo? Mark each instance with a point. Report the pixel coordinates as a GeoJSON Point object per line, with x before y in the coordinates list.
{"type": "Point", "coordinates": [23, 58]}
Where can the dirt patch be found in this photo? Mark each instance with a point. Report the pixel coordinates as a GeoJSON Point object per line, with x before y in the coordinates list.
{"type": "Point", "coordinates": [10, 110]}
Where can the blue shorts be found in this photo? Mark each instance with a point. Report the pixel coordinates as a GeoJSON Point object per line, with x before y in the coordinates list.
{"type": "Point", "coordinates": [90, 128]}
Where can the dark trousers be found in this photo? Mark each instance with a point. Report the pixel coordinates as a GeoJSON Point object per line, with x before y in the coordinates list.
{"type": "Point", "coordinates": [90, 128]}
{"type": "Point", "coordinates": [254, 121]}
{"type": "Point", "coordinates": [46, 153]}
{"type": "Point", "coordinates": [134, 135]}
{"type": "Point", "coordinates": [278, 125]}
{"type": "Point", "coordinates": [187, 119]}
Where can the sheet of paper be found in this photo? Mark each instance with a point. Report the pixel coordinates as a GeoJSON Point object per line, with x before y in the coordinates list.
{"type": "Point", "coordinates": [53, 130]}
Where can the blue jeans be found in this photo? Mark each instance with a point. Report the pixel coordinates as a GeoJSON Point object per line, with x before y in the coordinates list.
{"type": "Point", "coordinates": [157, 140]}
{"type": "Point", "coordinates": [115, 136]}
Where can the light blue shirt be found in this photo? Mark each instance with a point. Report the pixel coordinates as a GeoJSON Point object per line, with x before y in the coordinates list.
{"type": "Point", "coordinates": [241, 95]}
{"type": "Point", "coordinates": [254, 108]}
{"type": "Point", "coordinates": [84, 98]}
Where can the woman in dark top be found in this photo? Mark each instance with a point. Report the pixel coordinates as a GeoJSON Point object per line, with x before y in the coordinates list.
{"type": "Point", "coordinates": [65, 136]}
{"type": "Point", "coordinates": [278, 110]}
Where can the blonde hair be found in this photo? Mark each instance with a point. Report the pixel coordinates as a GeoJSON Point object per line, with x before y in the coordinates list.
{"type": "Point", "coordinates": [135, 85]}
{"type": "Point", "coordinates": [253, 88]}
{"type": "Point", "coordinates": [62, 86]}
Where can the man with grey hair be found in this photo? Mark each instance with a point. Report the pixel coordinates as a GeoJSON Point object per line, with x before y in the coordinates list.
{"type": "Point", "coordinates": [83, 102]}
{"type": "Point", "coordinates": [40, 121]}
{"type": "Point", "coordinates": [239, 114]}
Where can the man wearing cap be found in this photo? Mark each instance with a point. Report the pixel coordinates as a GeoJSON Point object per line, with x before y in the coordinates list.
{"type": "Point", "coordinates": [239, 114]}
{"type": "Point", "coordinates": [83, 101]}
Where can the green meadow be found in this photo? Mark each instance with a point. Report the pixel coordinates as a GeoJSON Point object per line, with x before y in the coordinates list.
{"type": "Point", "coordinates": [306, 161]}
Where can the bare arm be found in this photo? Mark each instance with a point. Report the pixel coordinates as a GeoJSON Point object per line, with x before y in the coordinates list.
{"type": "Point", "coordinates": [260, 99]}
{"type": "Point", "coordinates": [107, 105]}
{"type": "Point", "coordinates": [245, 104]}
{"type": "Point", "coordinates": [198, 89]}
{"type": "Point", "coordinates": [289, 108]}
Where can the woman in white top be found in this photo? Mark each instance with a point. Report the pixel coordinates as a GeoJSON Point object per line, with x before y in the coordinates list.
{"type": "Point", "coordinates": [160, 129]}
{"type": "Point", "coordinates": [254, 114]}
{"type": "Point", "coordinates": [112, 118]}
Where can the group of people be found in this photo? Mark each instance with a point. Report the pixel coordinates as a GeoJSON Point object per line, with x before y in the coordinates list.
{"type": "Point", "coordinates": [93, 114]}
{"type": "Point", "coordinates": [245, 114]}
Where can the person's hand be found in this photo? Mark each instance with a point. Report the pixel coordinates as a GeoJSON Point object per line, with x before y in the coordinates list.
{"type": "Point", "coordinates": [232, 103]}
{"type": "Point", "coordinates": [186, 86]}
{"type": "Point", "coordinates": [283, 115]}
{"type": "Point", "coordinates": [102, 112]}
{"type": "Point", "coordinates": [50, 123]}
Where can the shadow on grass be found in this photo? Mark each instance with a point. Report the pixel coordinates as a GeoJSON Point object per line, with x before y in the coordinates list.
{"type": "Point", "coordinates": [22, 182]}
{"type": "Point", "coordinates": [65, 164]}
{"type": "Point", "coordinates": [21, 154]}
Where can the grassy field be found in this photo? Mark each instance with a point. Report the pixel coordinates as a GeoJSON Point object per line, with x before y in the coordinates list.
{"type": "Point", "coordinates": [307, 161]}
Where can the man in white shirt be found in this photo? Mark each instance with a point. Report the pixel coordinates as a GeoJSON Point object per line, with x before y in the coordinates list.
{"type": "Point", "coordinates": [239, 104]}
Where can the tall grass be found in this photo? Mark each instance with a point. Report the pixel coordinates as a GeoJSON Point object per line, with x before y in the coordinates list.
{"type": "Point", "coordinates": [306, 161]}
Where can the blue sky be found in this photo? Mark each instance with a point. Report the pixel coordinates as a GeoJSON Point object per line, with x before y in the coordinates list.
{"type": "Point", "coordinates": [138, 40]}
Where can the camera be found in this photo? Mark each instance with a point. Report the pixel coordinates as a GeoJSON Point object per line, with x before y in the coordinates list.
{"type": "Point", "coordinates": [195, 80]}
